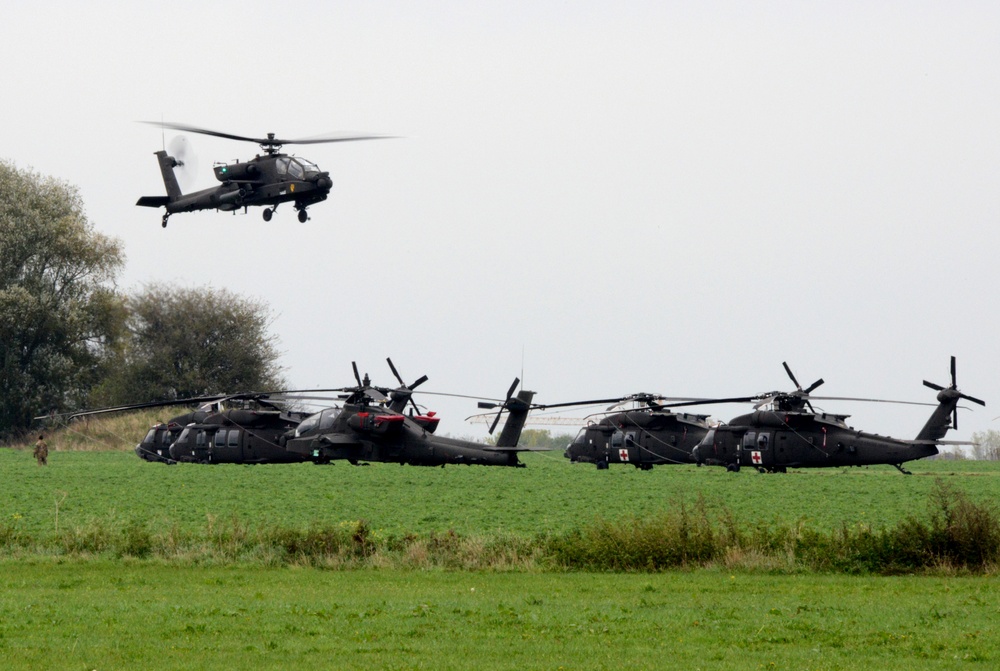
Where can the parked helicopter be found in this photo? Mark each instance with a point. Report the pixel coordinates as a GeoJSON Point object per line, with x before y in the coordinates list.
{"type": "Point", "coordinates": [267, 180]}
{"type": "Point", "coordinates": [786, 435]}
{"type": "Point", "coordinates": [644, 437]}
{"type": "Point", "coordinates": [362, 430]}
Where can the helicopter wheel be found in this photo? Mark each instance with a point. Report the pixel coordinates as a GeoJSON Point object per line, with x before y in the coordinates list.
{"type": "Point", "coordinates": [303, 216]}
{"type": "Point", "coordinates": [165, 217]}
{"type": "Point", "coordinates": [267, 214]}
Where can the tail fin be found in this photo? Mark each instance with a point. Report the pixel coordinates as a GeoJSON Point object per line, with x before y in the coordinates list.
{"type": "Point", "coordinates": [940, 420]}
{"type": "Point", "coordinates": [167, 165]}
{"type": "Point", "coordinates": [517, 408]}
{"type": "Point", "coordinates": [945, 416]}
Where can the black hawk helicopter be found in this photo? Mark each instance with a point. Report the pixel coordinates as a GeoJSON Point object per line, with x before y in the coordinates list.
{"type": "Point", "coordinates": [266, 181]}
{"type": "Point", "coordinates": [642, 436]}
{"type": "Point", "coordinates": [365, 430]}
{"type": "Point", "coordinates": [234, 428]}
{"type": "Point", "coordinates": [786, 435]}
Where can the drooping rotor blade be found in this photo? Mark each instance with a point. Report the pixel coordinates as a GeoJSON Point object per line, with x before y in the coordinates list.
{"type": "Point", "coordinates": [954, 383]}
{"type": "Point", "coordinates": [357, 376]}
{"type": "Point", "coordinates": [935, 387]}
{"type": "Point", "coordinates": [395, 372]}
{"type": "Point", "coordinates": [868, 400]}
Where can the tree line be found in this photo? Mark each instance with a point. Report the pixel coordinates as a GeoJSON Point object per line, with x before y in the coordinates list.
{"type": "Point", "coordinates": [71, 339]}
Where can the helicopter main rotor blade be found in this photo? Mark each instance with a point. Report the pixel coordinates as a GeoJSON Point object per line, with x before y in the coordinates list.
{"type": "Point", "coordinates": [357, 377]}
{"type": "Point", "coordinates": [935, 387]}
{"type": "Point", "coordinates": [332, 137]}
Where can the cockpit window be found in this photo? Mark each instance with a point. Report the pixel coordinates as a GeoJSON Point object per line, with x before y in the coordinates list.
{"type": "Point", "coordinates": [308, 167]}
{"type": "Point", "coordinates": [709, 438]}
{"type": "Point", "coordinates": [282, 166]}
{"type": "Point", "coordinates": [327, 418]}
{"type": "Point", "coordinates": [150, 437]}
{"type": "Point", "coordinates": [581, 438]}
{"type": "Point", "coordinates": [295, 170]}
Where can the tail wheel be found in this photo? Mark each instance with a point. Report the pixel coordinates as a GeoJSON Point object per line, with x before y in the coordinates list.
{"type": "Point", "coordinates": [268, 213]}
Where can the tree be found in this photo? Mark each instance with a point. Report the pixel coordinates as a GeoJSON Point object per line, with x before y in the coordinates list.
{"type": "Point", "coordinates": [191, 342]}
{"type": "Point", "coordinates": [60, 314]}
{"type": "Point", "coordinates": [986, 445]}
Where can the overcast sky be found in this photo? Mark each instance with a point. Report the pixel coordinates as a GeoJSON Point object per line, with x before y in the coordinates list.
{"type": "Point", "coordinates": [621, 197]}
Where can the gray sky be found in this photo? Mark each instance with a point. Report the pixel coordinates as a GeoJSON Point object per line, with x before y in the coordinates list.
{"type": "Point", "coordinates": [669, 197]}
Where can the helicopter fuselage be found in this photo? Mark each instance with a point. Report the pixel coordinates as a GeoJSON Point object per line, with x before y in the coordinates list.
{"type": "Point", "coordinates": [771, 440]}
{"type": "Point", "coordinates": [643, 438]}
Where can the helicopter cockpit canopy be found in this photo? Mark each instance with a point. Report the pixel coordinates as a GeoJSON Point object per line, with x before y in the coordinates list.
{"type": "Point", "coordinates": [296, 168]}
{"type": "Point", "coordinates": [322, 421]}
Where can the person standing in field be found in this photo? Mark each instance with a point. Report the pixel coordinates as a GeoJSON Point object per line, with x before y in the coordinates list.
{"type": "Point", "coordinates": [41, 452]}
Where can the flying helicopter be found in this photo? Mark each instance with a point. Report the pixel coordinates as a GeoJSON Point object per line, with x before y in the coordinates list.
{"type": "Point", "coordinates": [364, 430]}
{"type": "Point", "coordinates": [785, 435]}
{"type": "Point", "coordinates": [265, 181]}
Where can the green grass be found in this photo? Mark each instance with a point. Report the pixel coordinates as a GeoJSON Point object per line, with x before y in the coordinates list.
{"type": "Point", "coordinates": [551, 495]}
{"type": "Point", "coordinates": [117, 615]}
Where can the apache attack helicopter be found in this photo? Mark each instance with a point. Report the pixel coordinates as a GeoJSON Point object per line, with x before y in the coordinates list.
{"type": "Point", "coordinates": [786, 435]}
{"type": "Point", "coordinates": [644, 437]}
{"type": "Point", "coordinates": [364, 430]}
{"type": "Point", "coordinates": [267, 180]}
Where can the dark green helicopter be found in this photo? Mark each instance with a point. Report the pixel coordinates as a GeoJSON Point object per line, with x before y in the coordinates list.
{"type": "Point", "coordinates": [364, 429]}
{"type": "Point", "coordinates": [266, 181]}
{"type": "Point", "coordinates": [786, 435]}
{"type": "Point", "coordinates": [233, 428]}
{"type": "Point", "coordinates": [644, 436]}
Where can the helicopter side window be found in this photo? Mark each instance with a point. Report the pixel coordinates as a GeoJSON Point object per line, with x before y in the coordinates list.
{"type": "Point", "coordinates": [630, 439]}
{"type": "Point", "coordinates": [220, 439]}
{"type": "Point", "coordinates": [617, 439]}
{"type": "Point", "coordinates": [295, 170]}
{"type": "Point", "coordinates": [308, 424]}
{"type": "Point", "coordinates": [234, 438]}
{"type": "Point", "coordinates": [749, 440]}
{"type": "Point", "coordinates": [282, 166]}
{"type": "Point", "coordinates": [762, 441]}
{"type": "Point", "coordinates": [200, 440]}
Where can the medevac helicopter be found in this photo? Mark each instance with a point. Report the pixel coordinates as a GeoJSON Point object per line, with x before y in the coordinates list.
{"type": "Point", "coordinates": [785, 435]}
{"type": "Point", "coordinates": [267, 180]}
{"type": "Point", "coordinates": [644, 437]}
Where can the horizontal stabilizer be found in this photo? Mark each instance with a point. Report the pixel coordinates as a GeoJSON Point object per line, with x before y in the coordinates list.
{"type": "Point", "coordinates": [153, 201]}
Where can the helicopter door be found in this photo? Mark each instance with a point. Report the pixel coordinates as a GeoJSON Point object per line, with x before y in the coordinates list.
{"type": "Point", "coordinates": [758, 450]}
{"type": "Point", "coordinates": [622, 447]}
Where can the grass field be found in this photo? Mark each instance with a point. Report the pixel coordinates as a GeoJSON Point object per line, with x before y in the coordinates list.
{"type": "Point", "coordinates": [551, 495]}
{"type": "Point", "coordinates": [98, 615]}
{"type": "Point", "coordinates": [66, 607]}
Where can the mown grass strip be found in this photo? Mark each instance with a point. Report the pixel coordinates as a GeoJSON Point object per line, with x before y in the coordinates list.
{"type": "Point", "coordinates": [110, 615]}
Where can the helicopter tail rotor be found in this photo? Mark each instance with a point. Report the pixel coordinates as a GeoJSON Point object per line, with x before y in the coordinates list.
{"type": "Point", "coordinates": [952, 392]}
{"type": "Point", "coordinates": [186, 162]}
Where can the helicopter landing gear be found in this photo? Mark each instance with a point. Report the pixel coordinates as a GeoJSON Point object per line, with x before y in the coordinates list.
{"type": "Point", "coordinates": [733, 468]}
{"type": "Point", "coordinates": [902, 470]}
{"type": "Point", "coordinates": [165, 217]}
{"type": "Point", "coordinates": [268, 212]}
{"type": "Point", "coordinates": [303, 215]}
